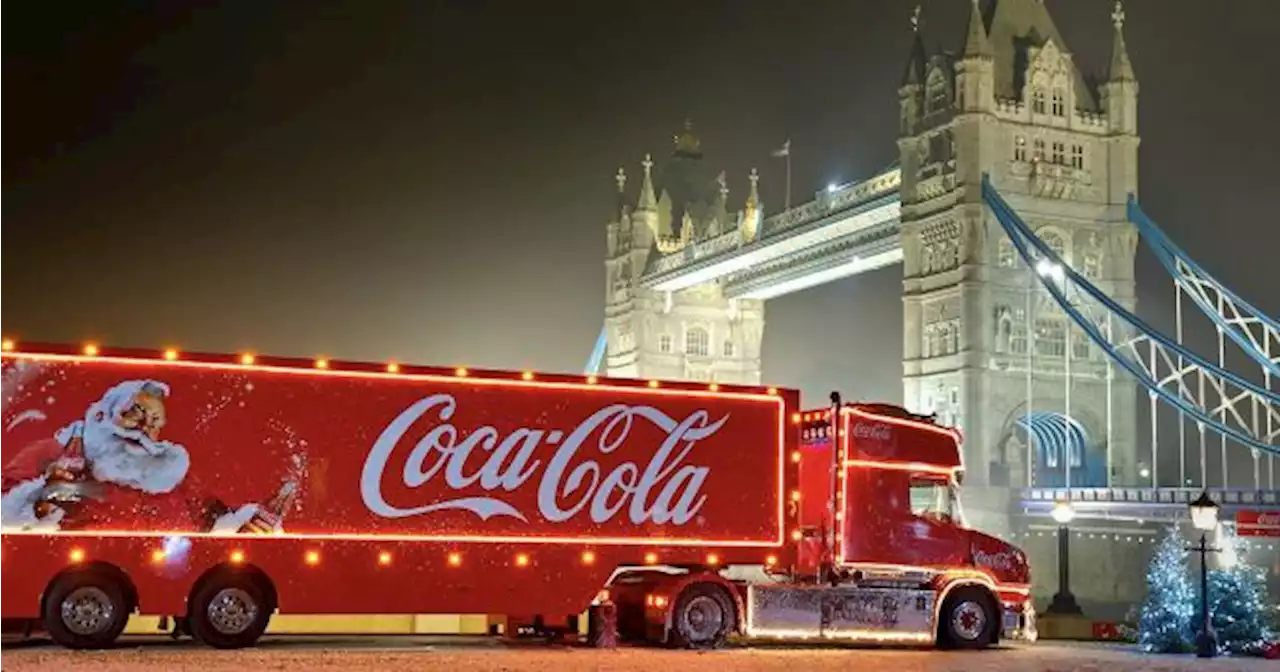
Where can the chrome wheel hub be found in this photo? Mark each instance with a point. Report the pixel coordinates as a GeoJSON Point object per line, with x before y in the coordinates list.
{"type": "Point", "coordinates": [87, 611]}
{"type": "Point", "coordinates": [702, 619]}
{"type": "Point", "coordinates": [232, 611]}
{"type": "Point", "coordinates": [968, 620]}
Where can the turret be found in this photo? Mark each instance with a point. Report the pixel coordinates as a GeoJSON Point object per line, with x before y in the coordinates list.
{"type": "Point", "coordinates": [911, 91]}
{"type": "Point", "coordinates": [1120, 92]}
{"type": "Point", "coordinates": [975, 70]}
{"type": "Point", "coordinates": [751, 213]}
{"type": "Point", "coordinates": [720, 212]}
{"type": "Point", "coordinates": [644, 220]}
{"type": "Point", "coordinates": [617, 229]}
{"type": "Point", "coordinates": [1120, 104]}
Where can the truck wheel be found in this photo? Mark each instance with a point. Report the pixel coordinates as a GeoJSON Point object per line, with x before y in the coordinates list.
{"type": "Point", "coordinates": [968, 619]}
{"type": "Point", "coordinates": [702, 618]}
{"type": "Point", "coordinates": [85, 610]}
{"type": "Point", "coordinates": [229, 612]}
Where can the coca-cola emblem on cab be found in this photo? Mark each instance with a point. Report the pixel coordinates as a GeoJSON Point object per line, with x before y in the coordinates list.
{"type": "Point", "coordinates": [1001, 561]}
{"type": "Point", "coordinates": [662, 486]}
{"type": "Point", "coordinates": [874, 431]}
{"type": "Point", "coordinates": [1269, 519]}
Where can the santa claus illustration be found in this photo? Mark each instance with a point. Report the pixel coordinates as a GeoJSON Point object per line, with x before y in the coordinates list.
{"type": "Point", "coordinates": [112, 469]}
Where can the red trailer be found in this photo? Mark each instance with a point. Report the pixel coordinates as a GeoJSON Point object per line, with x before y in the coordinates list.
{"type": "Point", "coordinates": [216, 490]}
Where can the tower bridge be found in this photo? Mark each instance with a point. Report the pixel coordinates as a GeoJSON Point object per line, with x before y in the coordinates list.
{"type": "Point", "coordinates": [1012, 212]}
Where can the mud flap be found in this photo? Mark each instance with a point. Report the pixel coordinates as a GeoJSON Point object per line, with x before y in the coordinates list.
{"type": "Point", "coordinates": [602, 626]}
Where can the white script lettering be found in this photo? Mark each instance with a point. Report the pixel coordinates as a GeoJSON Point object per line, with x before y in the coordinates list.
{"type": "Point", "coordinates": [665, 489]}
{"type": "Point", "coordinates": [874, 431]}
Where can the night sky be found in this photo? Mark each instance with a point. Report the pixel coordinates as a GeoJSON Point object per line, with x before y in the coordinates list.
{"type": "Point", "coordinates": [431, 181]}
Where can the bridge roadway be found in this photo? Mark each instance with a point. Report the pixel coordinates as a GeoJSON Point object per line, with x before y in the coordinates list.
{"type": "Point", "coordinates": [1145, 504]}
{"type": "Point", "coordinates": [844, 231]}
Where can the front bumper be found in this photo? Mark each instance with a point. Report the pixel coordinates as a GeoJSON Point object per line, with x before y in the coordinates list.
{"type": "Point", "coordinates": [1019, 623]}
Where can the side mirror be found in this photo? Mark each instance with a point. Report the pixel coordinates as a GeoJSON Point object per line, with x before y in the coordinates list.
{"type": "Point", "coordinates": [959, 478]}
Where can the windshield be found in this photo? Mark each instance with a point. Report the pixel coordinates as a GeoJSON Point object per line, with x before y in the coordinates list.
{"type": "Point", "coordinates": [936, 498]}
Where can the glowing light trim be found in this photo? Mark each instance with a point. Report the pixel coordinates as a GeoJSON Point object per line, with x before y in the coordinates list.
{"type": "Point", "coordinates": [876, 636]}
{"type": "Point", "coordinates": [904, 466]}
{"type": "Point", "coordinates": [610, 384]}
{"type": "Point", "coordinates": [779, 401]}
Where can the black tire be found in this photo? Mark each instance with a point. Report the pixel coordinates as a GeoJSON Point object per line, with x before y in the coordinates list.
{"type": "Point", "coordinates": [85, 610]}
{"type": "Point", "coordinates": [968, 619]}
{"type": "Point", "coordinates": [703, 617]}
{"type": "Point", "coordinates": [230, 611]}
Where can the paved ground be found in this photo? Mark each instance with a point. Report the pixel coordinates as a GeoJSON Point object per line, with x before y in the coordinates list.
{"type": "Point", "coordinates": [391, 654]}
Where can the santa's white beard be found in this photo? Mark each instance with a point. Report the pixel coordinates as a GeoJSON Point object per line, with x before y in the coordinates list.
{"type": "Point", "coordinates": [130, 458]}
{"type": "Point", "coordinates": [17, 507]}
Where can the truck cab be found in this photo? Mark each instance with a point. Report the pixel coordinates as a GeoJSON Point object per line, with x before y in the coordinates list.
{"type": "Point", "coordinates": [881, 521]}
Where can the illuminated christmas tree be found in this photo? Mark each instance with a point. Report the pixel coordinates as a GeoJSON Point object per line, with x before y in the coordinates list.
{"type": "Point", "coordinates": [1238, 603]}
{"type": "Point", "coordinates": [1165, 624]}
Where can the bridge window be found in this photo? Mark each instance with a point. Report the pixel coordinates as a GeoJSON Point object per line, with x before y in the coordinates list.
{"type": "Point", "coordinates": [1055, 242]}
{"type": "Point", "coordinates": [1018, 337]}
{"type": "Point", "coordinates": [937, 97]}
{"type": "Point", "coordinates": [1006, 256]}
{"type": "Point", "coordinates": [1019, 148]}
{"type": "Point", "coordinates": [1051, 338]}
{"type": "Point", "coordinates": [664, 343]}
{"type": "Point", "coordinates": [697, 342]}
{"type": "Point", "coordinates": [1059, 153]}
{"type": "Point", "coordinates": [1080, 346]}
{"type": "Point", "coordinates": [1037, 101]}
{"type": "Point", "coordinates": [1091, 265]}
{"type": "Point", "coordinates": [1059, 103]}
{"type": "Point", "coordinates": [728, 348]}
{"type": "Point", "coordinates": [1077, 157]}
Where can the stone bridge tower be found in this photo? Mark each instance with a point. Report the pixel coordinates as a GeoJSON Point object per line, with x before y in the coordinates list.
{"type": "Point", "coordinates": [692, 334]}
{"type": "Point", "coordinates": [1063, 149]}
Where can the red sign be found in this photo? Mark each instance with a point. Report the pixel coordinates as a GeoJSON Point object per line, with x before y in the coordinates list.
{"type": "Point", "coordinates": [1258, 523]}
{"type": "Point", "coordinates": [178, 447]}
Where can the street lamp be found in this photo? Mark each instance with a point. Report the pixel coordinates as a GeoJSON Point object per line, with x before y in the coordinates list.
{"type": "Point", "coordinates": [1204, 516]}
{"type": "Point", "coordinates": [1064, 602]}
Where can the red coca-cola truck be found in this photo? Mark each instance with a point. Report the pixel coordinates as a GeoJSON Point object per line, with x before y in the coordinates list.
{"type": "Point", "coordinates": [217, 490]}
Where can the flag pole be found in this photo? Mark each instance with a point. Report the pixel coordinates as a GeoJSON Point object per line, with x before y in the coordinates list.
{"type": "Point", "coordinates": [787, 205]}
{"type": "Point", "coordinates": [785, 153]}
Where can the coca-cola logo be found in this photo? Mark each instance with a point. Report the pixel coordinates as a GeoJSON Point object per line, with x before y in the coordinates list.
{"type": "Point", "coordinates": [1002, 561]}
{"type": "Point", "coordinates": [657, 487]}
{"type": "Point", "coordinates": [1269, 519]}
{"type": "Point", "coordinates": [875, 431]}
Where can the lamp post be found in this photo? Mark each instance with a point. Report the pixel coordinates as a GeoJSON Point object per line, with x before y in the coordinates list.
{"type": "Point", "coordinates": [1064, 603]}
{"type": "Point", "coordinates": [1204, 516]}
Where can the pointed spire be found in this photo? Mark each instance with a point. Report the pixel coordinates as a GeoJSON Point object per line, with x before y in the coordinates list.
{"type": "Point", "coordinates": [914, 73]}
{"type": "Point", "coordinates": [753, 196]}
{"type": "Point", "coordinates": [621, 179]}
{"type": "Point", "coordinates": [976, 44]}
{"type": "Point", "coordinates": [724, 185]}
{"type": "Point", "coordinates": [647, 199]}
{"type": "Point", "coordinates": [1121, 68]}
